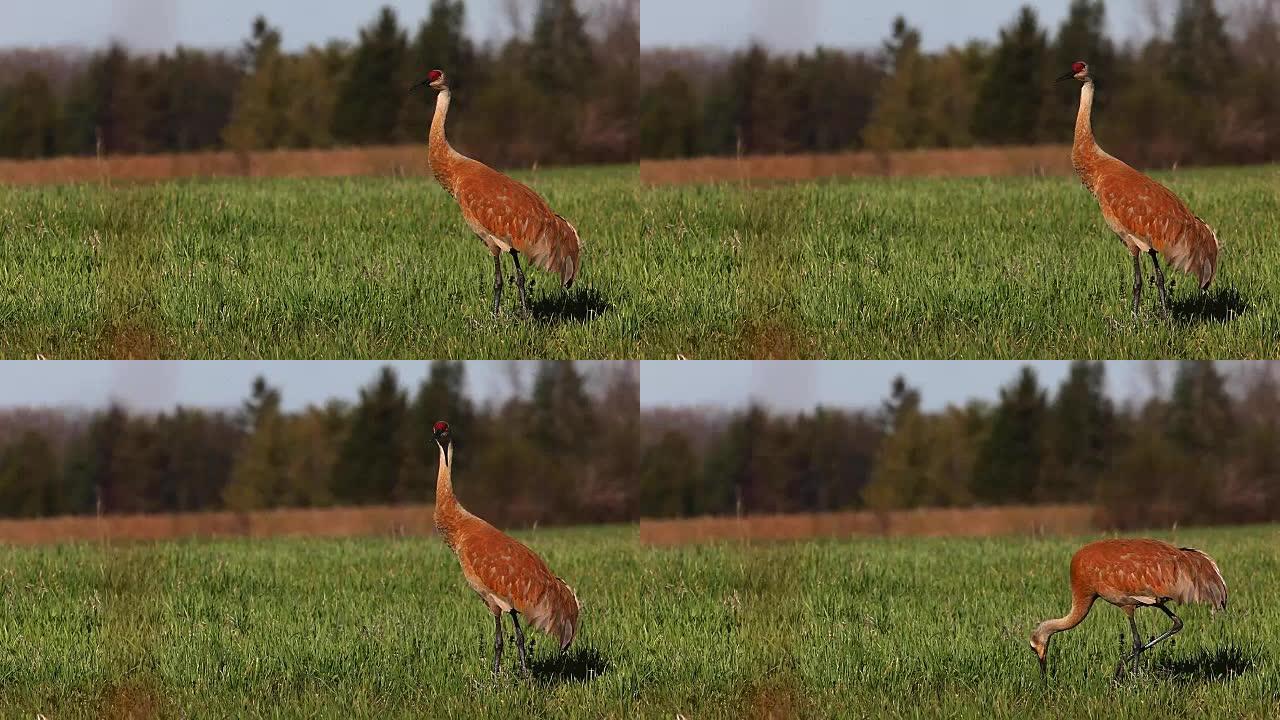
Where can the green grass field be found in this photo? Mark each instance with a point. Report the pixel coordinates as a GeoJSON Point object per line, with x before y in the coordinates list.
{"type": "Point", "coordinates": [1005, 268]}
{"type": "Point", "coordinates": [379, 268]}
{"type": "Point", "coordinates": [388, 628]}
{"type": "Point", "coordinates": [343, 268]}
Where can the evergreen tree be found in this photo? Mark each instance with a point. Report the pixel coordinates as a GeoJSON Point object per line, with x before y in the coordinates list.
{"type": "Point", "coordinates": [1009, 99]}
{"type": "Point", "coordinates": [669, 124]}
{"type": "Point", "coordinates": [367, 469]}
{"type": "Point", "coordinates": [441, 396]}
{"type": "Point", "coordinates": [28, 118]}
{"type": "Point", "coordinates": [370, 96]}
{"type": "Point", "coordinates": [1078, 432]}
{"type": "Point", "coordinates": [1008, 463]}
{"type": "Point", "coordinates": [559, 50]}
{"type": "Point", "coordinates": [896, 119]}
{"type": "Point", "coordinates": [668, 483]}
{"type": "Point", "coordinates": [29, 478]}
{"type": "Point", "coordinates": [1081, 37]}
{"type": "Point", "coordinates": [258, 477]}
{"type": "Point", "coordinates": [441, 43]}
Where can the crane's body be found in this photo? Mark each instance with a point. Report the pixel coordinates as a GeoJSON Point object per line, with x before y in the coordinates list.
{"type": "Point", "coordinates": [1133, 573]}
{"type": "Point", "coordinates": [506, 574]}
{"type": "Point", "coordinates": [506, 215]}
{"type": "Point", "coordinates": [1146, 215]}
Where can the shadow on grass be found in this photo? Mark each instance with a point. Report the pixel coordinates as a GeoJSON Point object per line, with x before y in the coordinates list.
{"type": "Point", "coordinates": [581, 304]}
{"type": "Point", "coordinates": [576, 665]}
{"type": "Point", "coordinates": [1207, 666]}
{"type": "Point", "coordinates": [1219, 305]}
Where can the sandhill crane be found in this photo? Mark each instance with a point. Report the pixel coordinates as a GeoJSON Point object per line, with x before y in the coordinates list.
{"type": "Point", "coordinates": [506, 215]}
{"type": "Point", "coordinates": [1131, 574]}
{"type": "Point", "coordinates": [507, 576]}
{"type": "Point", "coordinates": [1146, 215]}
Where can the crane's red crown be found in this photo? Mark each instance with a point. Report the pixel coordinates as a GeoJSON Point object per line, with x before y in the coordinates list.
{"type": "Point", "coordinates": [441, 428]}
{"type": "Point", "coordinates": [1077, 67]}
{"type": "Point", "coordinates": [433, 76]}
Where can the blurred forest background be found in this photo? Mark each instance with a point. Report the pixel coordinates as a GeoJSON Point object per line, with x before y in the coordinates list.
{"type": "Point", "coordinates": [558, 451]}
{"type": "Point", "coordinates": [1201, 447]}
{"type": "Point", "coordinates": [1203, 86]}
{"type": "Point", "coordinates": [562, 89]}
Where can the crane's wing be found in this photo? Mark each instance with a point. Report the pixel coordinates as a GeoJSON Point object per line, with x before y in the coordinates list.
{"type": "Point", "coordinates": [521, 581]}
{"type": "Point", "coordinates": [515, 217]}
{"type": "Point", "coordinates": [1134, 203]}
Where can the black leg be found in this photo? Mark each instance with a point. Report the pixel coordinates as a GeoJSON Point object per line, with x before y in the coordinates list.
{"type": "Point", "coordinates": [515, 619]}
{"type": "Point", "coordinates": [524, 298]}
{"type": "Point", "coordinates": [1137, 284]}
{"type": "Point", "coordinates": [497, 283]}
{"type": "Point", "coordinates": [1177, 627]}
{"type": "Point", "coordinates": [497, 643]}
{"type": "Point", "coordinates": [1164, 294]}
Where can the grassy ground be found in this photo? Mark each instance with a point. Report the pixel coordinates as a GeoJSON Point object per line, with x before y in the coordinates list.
{"type": "Point", "coordinates": [387, 628]}
{"type": "Point", "coordinates": [1004, 268]}
{"type": "Point", "coordinates": [374, 268]}
{"type": "Point", "coordinates": [936, 268]}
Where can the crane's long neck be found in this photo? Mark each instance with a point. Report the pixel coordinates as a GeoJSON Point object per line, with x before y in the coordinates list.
{"type": "Point", "coordinates": [440, 153]}
{"type": "Point", "coordinates": [1080, 604]}
{"type": "Point", "coordinates": [447, 508]}
{"type": "Point", "coordinates": [1085, 148]}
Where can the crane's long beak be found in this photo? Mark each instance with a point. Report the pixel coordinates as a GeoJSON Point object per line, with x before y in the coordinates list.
{"type": "Point", "coordinates": [1068, 76]}
{"type": "Point", "coordinates": [415, 87]}
{"type": "Point", "coordinates": [1044, 674]}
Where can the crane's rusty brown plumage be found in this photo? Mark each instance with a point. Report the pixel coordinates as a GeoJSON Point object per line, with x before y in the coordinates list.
{"type": "Point", "coordinates": [1133, 573]}
{"type": "Point", "coordinates": [1146, 215]}
{"type": "Point", "coordinates": [506, 574]}
{"type": "Point", "coordinates": [508, 216]}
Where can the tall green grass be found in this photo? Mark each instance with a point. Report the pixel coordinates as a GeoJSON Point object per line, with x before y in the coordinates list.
{"type": "Point", "coordinates": [388, 628]}
{"type": "Point", "coordinates": [1007, 268]}
{"type": "Point", "coordinates": [379, 268]}
{"type": "Point", "coordinates": [363, 267]}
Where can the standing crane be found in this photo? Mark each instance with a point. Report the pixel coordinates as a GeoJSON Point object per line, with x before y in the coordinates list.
{"type": "Point", "coordinates": [506, 215]}
{"type": "Point", "coordinates": [1146, 215]}
{"type": "Point", "coordinates": [1131, 574]}
{"type": "Point", "coordinates": [507, 576]}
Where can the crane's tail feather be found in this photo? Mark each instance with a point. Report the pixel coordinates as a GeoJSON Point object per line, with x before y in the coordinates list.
{"type": "Point", "coordinates": [1195, 251]}
{"type": "Point", "coordinates": [556, 250]}
{"type": "Point", "coordinates": [556, 612]}
{"type": "Point", "coordinates": [1200, 581]}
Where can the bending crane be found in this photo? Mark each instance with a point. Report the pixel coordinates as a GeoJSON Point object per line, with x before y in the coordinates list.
{"type": "Point", "coordinates": [1131, 574]}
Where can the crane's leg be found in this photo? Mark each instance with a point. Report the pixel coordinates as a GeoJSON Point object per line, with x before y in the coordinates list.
{"type": "Point", "coordinates": [1164, 294]}
{"type": "Point", "coordinates": [515, 619]}
{"type": "Point", "coordinates": [1137, 644]}
{"type": "Point", "coordinates": [497, 642]}
{"type": "Point", "coordinates": [1137, 282]}
{"type": "Point", "coordinates": [1138, 648]}
{"type": "Point", "coordinates": [1177, 627]}
{"type": "Point", "coordinates": [524, 298]}
{"type": "Point", "coordinates": [497, 282]}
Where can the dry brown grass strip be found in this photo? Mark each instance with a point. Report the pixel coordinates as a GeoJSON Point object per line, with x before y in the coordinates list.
{"type": "Point", "coordinates": [394, 160]}
{"type": "Point", "coordinates": [967, 162]}
{"type": "Point", "coordinates": [306, 522]}
{"type": "Point", "coordinates": [923, 522]}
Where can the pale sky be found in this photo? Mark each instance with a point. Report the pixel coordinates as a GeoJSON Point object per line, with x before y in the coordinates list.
{"type": "Point", "coordinates": [802, 385]}
{"type": "Point", "coordinates": [162, 384]}
{"type": "Point", "coordinates": [851, 24]}
{"type": "Point", "coordinates": [162, 24]}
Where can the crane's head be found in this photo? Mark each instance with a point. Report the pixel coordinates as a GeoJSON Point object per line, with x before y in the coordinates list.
{"type": "Point", "coordinates": [435, 80]}
{"type": "Point", "coordinates": [1079, 71]}
{"type": "Point", "coordinates": [1040, 645]}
